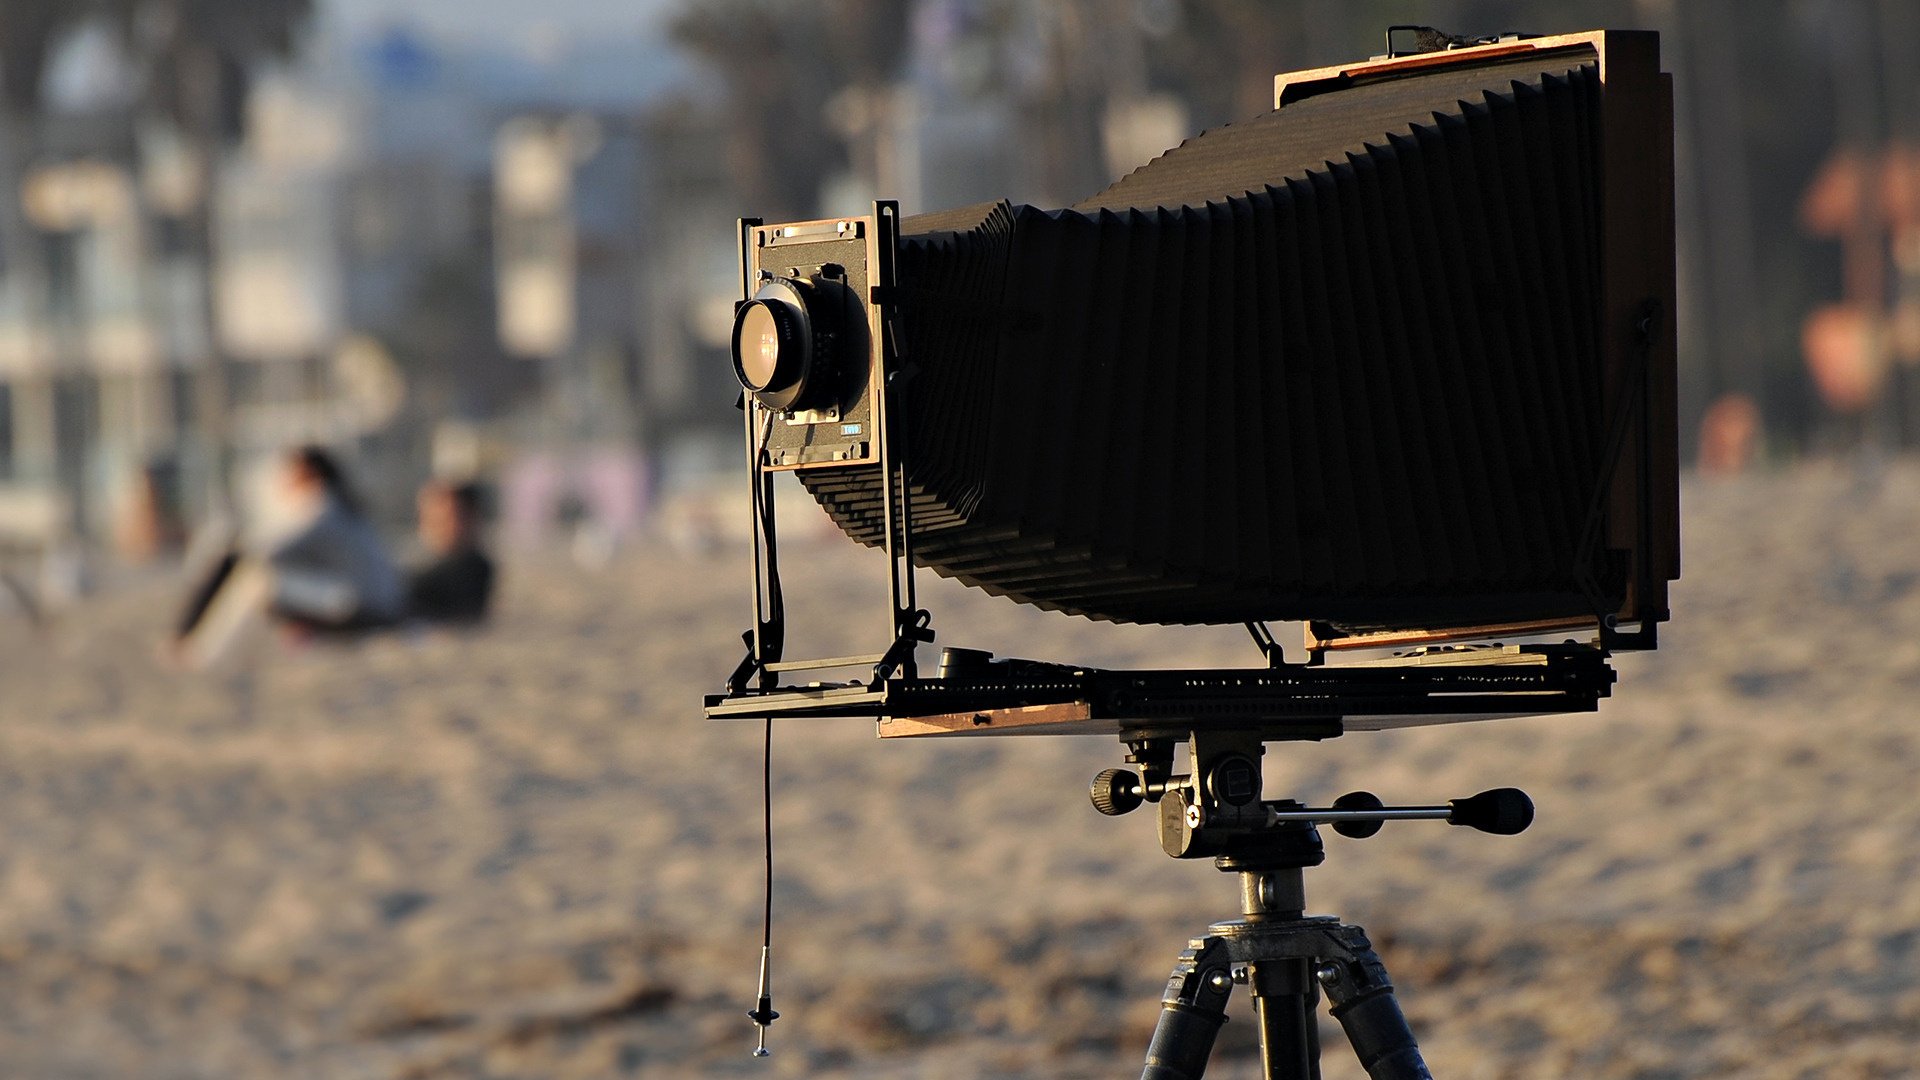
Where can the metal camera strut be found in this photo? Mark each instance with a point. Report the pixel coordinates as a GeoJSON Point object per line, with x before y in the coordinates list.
{"type": "Point", "coordinates": [907, 623]}
{"type": "Point", "coordinates": [1286, 957]}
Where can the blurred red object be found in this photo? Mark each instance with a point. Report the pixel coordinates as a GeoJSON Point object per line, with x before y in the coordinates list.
{"type": "Point", "coordinates": [1729, 435]}
{"type": "Point", "coordinates": [1831, 204]}
{"type": "Point", "coordinates": [1853, 189]}
{"type": "Point", "coordinates": [1842, 343]}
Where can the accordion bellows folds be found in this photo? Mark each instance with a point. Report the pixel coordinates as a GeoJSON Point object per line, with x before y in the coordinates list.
{"type": "Point", "coordinates": [1361, 359]}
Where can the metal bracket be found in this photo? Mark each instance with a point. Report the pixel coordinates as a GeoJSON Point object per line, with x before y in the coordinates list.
{"type": "Point", "coordinates": [766, 642]}
{"type": "Point", "coordinates": [1427, 39]}
{"type": "Point", "coordinates": [908, 625]}
{"type": "Point", "coordinates": [1632, 405]}
{"type": "Point", "coordinates": [1202, 977]}
{"type": "Point", "coordinates": [899, 655]}
{"type": "Point", "coordinates": [1269, 648]}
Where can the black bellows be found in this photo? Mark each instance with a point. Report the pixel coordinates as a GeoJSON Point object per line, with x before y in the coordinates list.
{"type": "Point", "coordinates": [1340, 362]}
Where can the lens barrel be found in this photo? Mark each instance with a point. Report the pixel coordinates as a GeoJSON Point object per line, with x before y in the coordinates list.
{"type": "Point", "coordinates": [773, 344]}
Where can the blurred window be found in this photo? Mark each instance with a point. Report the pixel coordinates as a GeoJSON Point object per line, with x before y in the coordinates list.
{"type": "Point", "coordinates": [536, 238]}
{"type": "Point", "coordinates": [76, 416]}
{"type": "Point", "coordinates": [180, 384]}
{"type": "Point", "coordinates": [372, 212]}
{"type": "Point", "coordinates": [246, 384]}
{"type": "Point", "coordinates": [319, 378]}
{"type": "Point", "coordinates": [63, 275]}
{"type": "Point", "coordinates": [170, 236]}
{"type": "Point", "coordinates": [107, 259]}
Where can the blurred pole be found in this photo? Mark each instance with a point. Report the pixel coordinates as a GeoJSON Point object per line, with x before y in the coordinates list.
{"type": "Point", "coordinates": [1863, 250]}
{"type": "Point", "coordinates": [1068, 147]}
{"type": "Point", "coordinates": [36, 430]}
{"type": "Point", "coordinates": [1725, 192]}
{"type": "Point", "coordinates": [199, 81]}
{"type": "Point", "coordinates": [1856, 101]}
{"type": "Point", "coordinates": [1900, 66]}
{"type": "Point", "coordinates": [34, 423]}
{"type": "Point", "coordinates": [1899, 35]}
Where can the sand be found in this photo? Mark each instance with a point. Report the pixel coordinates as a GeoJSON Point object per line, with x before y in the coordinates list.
{"type": "Point", "coordinates": [522, 853]}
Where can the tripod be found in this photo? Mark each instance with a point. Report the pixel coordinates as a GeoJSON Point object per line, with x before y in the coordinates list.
{"type": "Point", "coordinates": [1286, 957]}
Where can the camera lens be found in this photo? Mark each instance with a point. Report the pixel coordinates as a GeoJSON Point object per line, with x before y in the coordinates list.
{"type": "Point", "coordinates": [770, 346]}
{"type": "Point", "coordinates": [757, 345]}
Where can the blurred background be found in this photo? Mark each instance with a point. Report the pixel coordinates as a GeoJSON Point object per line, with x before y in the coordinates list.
{"type": "Point", "coordinates": [494, 240]}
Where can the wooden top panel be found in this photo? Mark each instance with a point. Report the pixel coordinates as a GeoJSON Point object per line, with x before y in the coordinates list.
{"type": "Point", "coordinates": [1294, 83]}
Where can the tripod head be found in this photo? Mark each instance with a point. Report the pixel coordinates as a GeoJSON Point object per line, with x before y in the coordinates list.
{"type": "Point", "coordinates": [1215, 811]}
{"type": "Point", "coordinates": [1286, 957]}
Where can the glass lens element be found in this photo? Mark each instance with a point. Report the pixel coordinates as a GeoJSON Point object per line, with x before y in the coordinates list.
{"type": "Point", "coordinates": [758, 343]}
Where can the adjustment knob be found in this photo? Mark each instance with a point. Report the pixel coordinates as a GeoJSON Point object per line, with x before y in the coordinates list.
{"type": "Point", "coordinates": [1358, 800]}
{"type": "Point", "coordinates": [1502, 811]}
{"type": "Point", "coordinates": [1115, 792]}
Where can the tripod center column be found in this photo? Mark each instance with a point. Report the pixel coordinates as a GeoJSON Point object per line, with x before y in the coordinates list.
{"type": "Point", "coordinates": [1273, 894]}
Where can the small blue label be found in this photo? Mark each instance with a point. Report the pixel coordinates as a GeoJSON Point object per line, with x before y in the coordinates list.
{"type": "Point", "coordinates": [849, 429]}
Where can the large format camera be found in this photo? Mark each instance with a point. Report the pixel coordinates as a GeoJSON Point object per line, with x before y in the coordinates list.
{"type": "Point", "coordinates": [1395, 359]}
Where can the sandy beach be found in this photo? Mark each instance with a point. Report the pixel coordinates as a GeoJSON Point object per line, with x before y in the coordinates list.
{"type": "Point", "coordinates": [522, 852]}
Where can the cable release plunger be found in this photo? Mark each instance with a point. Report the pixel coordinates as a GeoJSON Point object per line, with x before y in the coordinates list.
{"type": "Point", "coordinates": [763, 1013]}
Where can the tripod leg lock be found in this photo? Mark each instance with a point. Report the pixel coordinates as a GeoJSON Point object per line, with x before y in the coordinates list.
{"type": "Point", "coordinates": [1191, 1012]}
{"type": "Point", "coordinates": [1362, 1000]}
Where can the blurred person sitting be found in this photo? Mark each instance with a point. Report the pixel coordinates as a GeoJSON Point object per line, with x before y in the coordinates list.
{"type": "Point", "coordinates": [333, 572]}
{"type": "Point", "coordinates": [455, 584]}
{"type": "Point", "coordinates": [328, 574]}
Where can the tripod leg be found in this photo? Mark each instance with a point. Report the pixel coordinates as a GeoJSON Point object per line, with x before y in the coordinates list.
{"type": "Point", "coordinates": [1364, 1004]}
{"type": "Point", "coordinates": [1284, 996]}
{"type": "Point", "coordinates": [1191, 1012]}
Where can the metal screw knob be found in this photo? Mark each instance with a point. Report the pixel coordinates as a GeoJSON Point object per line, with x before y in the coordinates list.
{"type": "Point", "coordinates": [1357, 800]}
{"type": "Point", "coordinates": [1115, 792]}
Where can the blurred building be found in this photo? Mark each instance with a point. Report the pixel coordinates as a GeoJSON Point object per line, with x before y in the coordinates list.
{"type": "Point", "coordinates": [615, 279]}
{"type": "Point", "coordinates": [354, 180]}
{"type": "Point", "coordinates": [418, 251]}
{"type": "Point", "coordinates": [100, 333]}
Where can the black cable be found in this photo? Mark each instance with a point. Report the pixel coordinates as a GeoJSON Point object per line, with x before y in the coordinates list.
{"type": "Point", "coordinates": [766, 797]}
{"type": "Point", "coordinates": [763, 1014]}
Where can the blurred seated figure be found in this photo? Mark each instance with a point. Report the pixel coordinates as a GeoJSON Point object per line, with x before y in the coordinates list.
{"type": "Point", "coordinates": [333, 573]}
{"type": "Point", "coordinates": [455, 584]}
{"type": "Point", "coordinates": [328, 574]}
